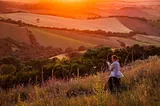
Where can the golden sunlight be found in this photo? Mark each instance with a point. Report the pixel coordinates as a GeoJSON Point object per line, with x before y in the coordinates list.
{"type": "Point", "coordinates": [72, 0]}
{"type": "Point", "coordinates": [75, 1]}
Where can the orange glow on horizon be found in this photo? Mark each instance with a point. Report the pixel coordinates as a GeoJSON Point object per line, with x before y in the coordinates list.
{"type": "Point", "coordinates": [71, 1]}
{"type": "Point", "coordinates": [70, 4]}
{"type": "Point", "coordinates": [67, 8]}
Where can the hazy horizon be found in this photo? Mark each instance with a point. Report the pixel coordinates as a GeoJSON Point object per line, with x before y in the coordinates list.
{"type": "Point", "coordinates": [75, 0]}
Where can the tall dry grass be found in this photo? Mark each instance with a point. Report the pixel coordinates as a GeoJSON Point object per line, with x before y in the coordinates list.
{"type": "Point", "coordinates": [140, 87]}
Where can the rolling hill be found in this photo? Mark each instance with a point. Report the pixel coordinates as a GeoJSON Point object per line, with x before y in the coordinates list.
{"type": "Point", "coordinates": [57, 37]}
{"type": "Point", "coordinates": [106, 24]}
{"type": "Point", "coordinates": [132, 12]}
{"type": "Point", "coordinates": [74, 39]}
{"type": "Point", "coordinates": [14, 31]}
{"type": "Point", "coordinates": [139, 26]}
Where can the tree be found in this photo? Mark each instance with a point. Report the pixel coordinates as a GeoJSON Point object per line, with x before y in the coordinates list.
{"type": "Point", "coordinates": [68, 50]}
{"type": "Point", "coordinates": [82, 48]}
{"type": "Point", "coordinates": [12, 60]}
{"type": "Point", "coordinates": [38, 20]}
{"type": "Point", "coordinates": [20, 23]}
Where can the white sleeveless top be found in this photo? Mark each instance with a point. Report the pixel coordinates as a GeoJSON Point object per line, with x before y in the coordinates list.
{"type": "Point", "coordinates": [115, 70]}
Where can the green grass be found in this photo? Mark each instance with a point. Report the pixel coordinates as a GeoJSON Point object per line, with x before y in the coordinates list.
{"type": "Point", "coordinates": [47, 38]}
{"type": "Point", "coordinates": [64, 39]}
{"type": "Point", "coordinates": [141, 80]}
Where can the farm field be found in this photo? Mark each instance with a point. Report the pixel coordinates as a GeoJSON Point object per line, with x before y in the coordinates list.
{"type": "Point", "coordinates": [132, 12]}
{"type": "Point", "coordinates": [72, 39]}
{"type": "Point", "coordinates": [146, 9]}
{"type": "Point", "coordinates": [121, 25]}
{"type": "Point", "coordinates": [154, 12]}
{"type": "Point", "coordinates": [14, 31]}
{"type": "Point", "coordinates": [52, 39]}
{"type": "Point", "coordinates": [106, 24]}
{"type": "Point", "coordinates": [64, 39]}
{"type": "Point", "coordinates": [156, 24]}
{"type": "Point", "coordinates": [152, 40]}
{"type": "Point", "coordinates": [140, 26]}
{"type": "Point", "coordinates": [127, 41]}
{"type": "Point", "coordinates": [76, 39]}
{"type": "Point", "coordinates": [95, 39]}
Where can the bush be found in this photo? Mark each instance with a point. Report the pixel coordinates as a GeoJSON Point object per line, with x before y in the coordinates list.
{"type": "Point", "coordinates": [12, 60]}
{"type": "Point", "coordinates": [62, 71]}
{"type": "Point", "coordinates": [27, 77]}
{"type": "Point", "coordinates": [7, 81]}
{"type": "Point", "coordinates": [7, 69]}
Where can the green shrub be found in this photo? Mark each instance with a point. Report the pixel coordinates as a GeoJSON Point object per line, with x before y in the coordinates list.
{"type": "Point", "coordinates": [7, 69]}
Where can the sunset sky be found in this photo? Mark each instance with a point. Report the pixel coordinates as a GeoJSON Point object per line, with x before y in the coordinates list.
{"type": "Point", "coordinates": [75, 0]}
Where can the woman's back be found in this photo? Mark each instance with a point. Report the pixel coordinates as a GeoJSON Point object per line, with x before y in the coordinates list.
{"type": "Point", "coordinates": [115, 70]}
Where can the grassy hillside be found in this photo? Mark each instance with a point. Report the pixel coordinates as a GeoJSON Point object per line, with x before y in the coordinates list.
{"type": "Point", "coordinates": [141, 83]}
{"type": "Point", "coordinates": [66, 39]}
{"type": "Point", "coordinates": [53, 39]}
{"type": "Point", "coordinates": [133, 12]}
{"type": "Point", "coordinates": [140, 26]}
{"type": "Point", "coordinates": [14, 31]}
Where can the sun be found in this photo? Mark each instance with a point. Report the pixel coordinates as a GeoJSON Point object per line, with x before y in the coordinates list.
{"type": "Point", "coordinates": [72, 1]}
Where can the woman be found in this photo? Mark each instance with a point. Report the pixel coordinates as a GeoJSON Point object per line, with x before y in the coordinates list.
{"type": "Point", "coordinates": [115, 75]}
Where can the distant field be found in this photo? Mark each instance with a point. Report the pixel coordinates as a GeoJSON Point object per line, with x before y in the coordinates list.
{"type": "Point", "coordinates": [88, 38]}
{"type": "Point", "coordinates": [14, 31]}
{"type": "Point", "coordinates": [64, 39]}
{"type": "Point", "coordinates": [128, 42]}
{"type": "Point", "coordinates": [139, 26]}
{"type": "Point", "coordinates": [46, 38]}
{"type": "Point", "coordinates": [154, 12]}
{"type": "Point", "coordinates": [134, 12]}
{"type": "Point", "coordinates": [76, 39]}
{"type": "Point", "coordinates": [156, 24]}
{"type": "Point", "coordinates": [138, 8]}
{"type": "Point", "coordinates": [106, 24]}
{"type": "Point", "coordinates": [152, 40]}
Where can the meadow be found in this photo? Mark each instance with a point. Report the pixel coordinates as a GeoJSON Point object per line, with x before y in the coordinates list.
{"type": "Point", "coordinates": [140, 87]}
